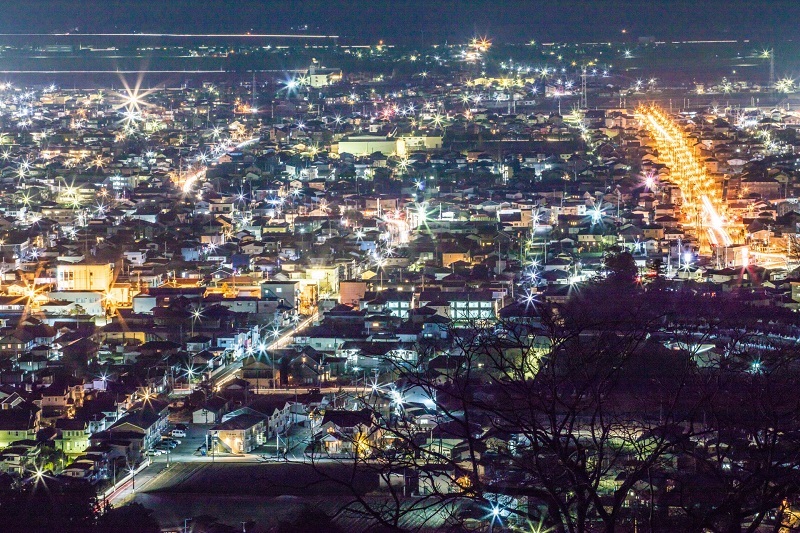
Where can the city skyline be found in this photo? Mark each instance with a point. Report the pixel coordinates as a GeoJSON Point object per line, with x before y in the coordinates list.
{"type": "Point", "coordinates": [273, 267]}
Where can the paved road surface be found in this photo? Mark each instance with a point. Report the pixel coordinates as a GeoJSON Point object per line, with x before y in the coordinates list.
{"type": "Point", "coordinates": [284, 338]}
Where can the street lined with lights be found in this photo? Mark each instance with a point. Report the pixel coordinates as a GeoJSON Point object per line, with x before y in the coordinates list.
{"type": "Point", "coordinates": [701, 197]}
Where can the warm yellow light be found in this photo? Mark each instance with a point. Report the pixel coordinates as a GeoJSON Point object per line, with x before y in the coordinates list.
{"type": "Point", "coordinates": [701, 199]}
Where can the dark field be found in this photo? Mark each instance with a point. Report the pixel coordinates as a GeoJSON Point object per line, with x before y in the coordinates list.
{"type": "Point", "coordinates": [265, 494]}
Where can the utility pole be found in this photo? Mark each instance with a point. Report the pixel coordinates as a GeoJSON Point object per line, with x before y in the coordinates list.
{"type": "Point", "coordinates": [772, 67]}
{"type": "Point", "coordinates": [584, 104]}
{"type": "Point", "coordinates": [253, 94]}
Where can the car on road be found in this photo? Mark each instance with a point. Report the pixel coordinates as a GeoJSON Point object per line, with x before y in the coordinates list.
{"type": "Point", "coordinates": [178, 433]}
{"type": "Point", "coordinates": [153, 452]}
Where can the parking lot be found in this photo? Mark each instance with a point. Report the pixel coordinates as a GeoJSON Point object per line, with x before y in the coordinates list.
{"type": "Point", "coordinates": [187, 450]}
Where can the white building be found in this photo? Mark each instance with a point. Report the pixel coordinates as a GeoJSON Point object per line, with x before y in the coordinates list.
{"type": "Point", "coordinates": [322, 77]}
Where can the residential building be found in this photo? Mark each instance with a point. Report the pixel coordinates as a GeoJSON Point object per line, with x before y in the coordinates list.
{"type": "Point", "coordinates": [240, 434]}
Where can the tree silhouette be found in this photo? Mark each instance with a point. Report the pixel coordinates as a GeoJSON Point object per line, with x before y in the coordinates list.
{"type": "Point", "coordinates": [607, 411]}
{"type": "Point", "coordinates": [131, 518]}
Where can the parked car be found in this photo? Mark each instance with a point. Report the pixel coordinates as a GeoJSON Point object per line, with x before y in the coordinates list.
{"type": "Point", "coordinates": [153, 452]}
{"type": "Point", "coordinates": [163, 446]}
{"type": "Point", "coordinates": [169, 439]}
{"type": "Point", "coordinates": [178, 433]}
{"type": "Point", "coordinates": [182, 427]}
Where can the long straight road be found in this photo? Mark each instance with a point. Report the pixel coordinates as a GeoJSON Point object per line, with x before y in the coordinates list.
{"type": "Point", "coordinates": [701, 195]}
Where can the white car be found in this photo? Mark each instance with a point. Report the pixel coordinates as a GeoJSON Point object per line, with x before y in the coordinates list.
{"type": "Point", "coordinates": [153, 452]}
{"type": "Point", "coordinates": [178, 433]}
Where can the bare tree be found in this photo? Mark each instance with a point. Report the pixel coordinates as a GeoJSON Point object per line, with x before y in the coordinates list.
{"type": "Point", "coordinates": [593, 415]}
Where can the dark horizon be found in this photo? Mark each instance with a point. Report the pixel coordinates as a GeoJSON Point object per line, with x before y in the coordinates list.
{"type": "Point", "coordinates": [414, 22]}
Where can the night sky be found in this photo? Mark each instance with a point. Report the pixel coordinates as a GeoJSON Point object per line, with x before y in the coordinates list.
{"type": "Point", "coordinates": [416, 21]}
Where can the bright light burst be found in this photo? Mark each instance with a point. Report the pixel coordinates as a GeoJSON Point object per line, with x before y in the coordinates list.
{"type": "Point", "coordinates": [596, 214]}
{"type": "Point", "coordinates": [785, 85]}
{"type": "Point", "coordinates": [650, 180]}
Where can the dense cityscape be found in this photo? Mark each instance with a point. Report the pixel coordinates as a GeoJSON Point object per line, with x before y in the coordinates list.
{"type": "Point", "coordinates": [298, 281]}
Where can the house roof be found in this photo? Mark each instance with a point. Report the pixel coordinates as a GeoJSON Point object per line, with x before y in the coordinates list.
{"type": "Point", "coordinates": [141, 418]}
{"type": "Point", "coordinates": [80, 465]}
{"type": "Point", "coordinates": [239, 423]}
{"type": "Point", "coordinates": [267, 404]}
{"type": "Point", "coordinates": [237, 383]}
{"type": "Point", "coordinates": [70, 424]}
{"type": "Point", "coordinates": [17, 419]}
{"type": "Point", "coordinates": [347, 419]}
{"type": "Point", "coordinates": [216, 403]}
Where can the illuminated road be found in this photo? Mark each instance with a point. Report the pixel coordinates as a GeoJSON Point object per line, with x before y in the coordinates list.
{"type": "Point", "coordinates": [282, 341]}
{"type": "Point", "coordinates": [285, 339]}
{"type": "Point", "coordinates": [190, 180]}
{"type": "Point", "coordinates": [770, 259]}
{"type": "Point", "coordinates": [701, 197]}
{"type": "Point", "coordinates": [127, 490]}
